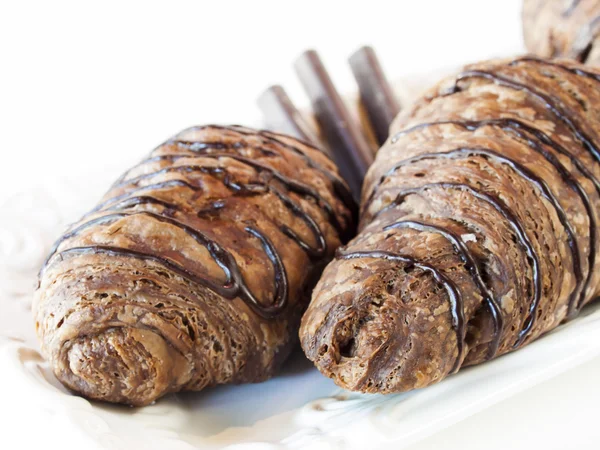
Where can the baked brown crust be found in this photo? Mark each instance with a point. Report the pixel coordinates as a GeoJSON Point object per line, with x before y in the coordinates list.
{"type": "Point", "coordinates": [195, 267]}
{"type": "Point", "coordinates": [478, 229]}
{"type": "Point", "coordinates": [563, 28]}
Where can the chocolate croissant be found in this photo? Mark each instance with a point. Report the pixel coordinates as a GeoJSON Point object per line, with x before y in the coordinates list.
{"type": "Point", "coordinates": [195, 267]}
{"type": "Point", "coordinates": [478, 232]}
{"type": "Point", "coordinates": [563, 28]}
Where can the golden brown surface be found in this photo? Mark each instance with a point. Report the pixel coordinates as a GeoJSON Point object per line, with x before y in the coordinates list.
{"type": "Point", "coordinates": [478, 229]}
{"type": "Point", "coordinates": [563, 28]}
{"type": "Point", "coordinates": [194, 268]}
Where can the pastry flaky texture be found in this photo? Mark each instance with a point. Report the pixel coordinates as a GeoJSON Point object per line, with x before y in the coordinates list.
{"type": "Point", "coordinates": [194, 269]}
{"type": "Point", "coordinates": [563, 28]}
{"type": "Point", "coordinates": [478, 233]}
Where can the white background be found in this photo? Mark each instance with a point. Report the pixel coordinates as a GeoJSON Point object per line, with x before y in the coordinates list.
{"type": "Point", "coordinates": [83, 83]}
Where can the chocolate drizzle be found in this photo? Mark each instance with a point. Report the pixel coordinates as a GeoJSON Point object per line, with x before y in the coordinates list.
{"type": "Point", "coordinates": [454, 295]}
{"type": "Point", "coordinates": [200, 148]}
{"type": "Point", "coordinates": [260, 187]}
{"type": "Point", "coordinates": [544, 190]}
{"type": "Point", "coordinates": [204, 147]}
{"type": "Point", "coordinates": [340, 188]}
{"type": "Point", "coordinates": [508, 213]}
{"type": "Point", "coordinates": [517, 127]}
{"type": "Point", "coordinates": [472, 266]}
{"type": "Point", "coordinates": [545, 62]}
{"type": "Point", "coordinates": [234, 284]}
{"type": "Point", "coordinates": [514, 223]}
{"type": "Point", "coordinates": [550, 105]}
{"type": "Point", "coordinates": [268, 180]}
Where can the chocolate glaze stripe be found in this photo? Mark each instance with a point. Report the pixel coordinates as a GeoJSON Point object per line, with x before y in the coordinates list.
{"type": "Point", "coordinates": [516, 225]}
{"type": "Point", "coordinates": [292, 185]}
{"type": "Point", "coordinates": [314, 253]}
{"type": "Point", "coordinates": [544, 190]}
{"type": "Point", "coordinates": [234, 284]}
{"type": "Point", "coordinates": [545, 62]}
{"type": "Point", "coordinates": [111, 202]}
{"type": "Point", "coordinates": [188, 168]}
{"type": "Point", "coordinates": [340, 187]}
{"type": "Point", "coordinates": [200, 146]}
{"type": "Point", "coordinates": [144, 200]}
{"type": "Point", "coordinates": [454, 296]}
{"type": "Point", "coordinates": [376, 93]}
{"type": "Point", "coordinates": [253, 188]}
{"type": "Point", "coordinates": [349, 147]}
{"type": "Point", "coordinates": [268, 136]}
{"type": "Point", "coordinates": [168, 211]}
{"type": "Point", "coordinates": [547, 101]}
{"type": "Point", "coordinates": [515, 127]}
{"type": "Point", "coordinates": [472, 266]}
{"type": "Point", "coordinates": [248, 189]}
{"type": "Point", "coordinates": [197, 147]}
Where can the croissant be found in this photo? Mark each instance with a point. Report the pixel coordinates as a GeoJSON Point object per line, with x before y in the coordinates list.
{"type": "Point", "coordinates": [195, 267]}
{"type": "Point", "coordinates": [559, 28]}
{"type": "Point", "coordinates": [478, 230]}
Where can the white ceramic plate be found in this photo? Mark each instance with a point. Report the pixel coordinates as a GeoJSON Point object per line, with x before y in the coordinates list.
{"type": "Point", "coordinates": [297, 409]}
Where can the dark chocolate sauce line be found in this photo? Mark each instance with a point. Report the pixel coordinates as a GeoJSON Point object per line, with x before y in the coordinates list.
{"type": "Point", "coordinates": [516, 127]}
{"type": "Point", "coordinates": [169, 210]}
{"type": "Point", "coordinates": [553, 63]}
{"type": "Point", "coordinates": [163, 184]}
{"type": "Point", "coordinates": [281, 279]}
{"type": "Point", "coordinates": [546, 100]}
{"type": "Point", "coordinates": [513, 125]}
{"type": "Point", "coordinates": [232, 270]}
{"type": "Point", "coordinates": [317, 252]}
{"type": "Point", "coordinates": [186, 168]}
{"type": "Point", "coordinates": [545, 191]}
{"type": "Point", "coordinates": [196, 147]}
{"type": "Point", "coordinates": [268, 135]}
{"type": "Point", "coordinates": [249, 189]}
{"type": "Point", "coordinates": [511, 219]}
{"type": "Point", "coordinates": [199, 147]}
{"type": "Point", "coordinates": [454, 296]}
{"type": "Point", "coordinates": [472, 266]}
{"type": "Point", "coordinates": [234, 284]}
{"type": "Point", "coordinates": [314, 253]}
{"type": "Point", "coordinates": [339, 186]}
{"type": "Point", "coordinates": [294, 186]}
{"type": "Point", "coordinates": [143, 200]}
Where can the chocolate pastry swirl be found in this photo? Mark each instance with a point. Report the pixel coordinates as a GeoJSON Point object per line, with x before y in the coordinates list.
{"type": "Point", "coordinates": [478, 233]}
{"type": "Point", "coordinates": [563, 28]}
{"type": "Point", "coordinates": [195, 267]}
